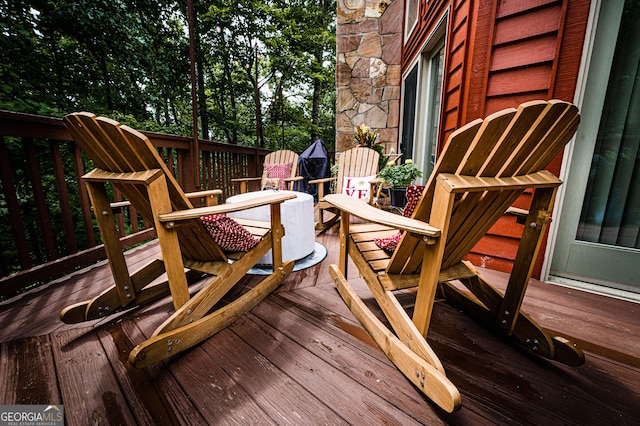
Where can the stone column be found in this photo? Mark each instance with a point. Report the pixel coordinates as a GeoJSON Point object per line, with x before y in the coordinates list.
{"type": "Point", "coordinates": [368, 74]}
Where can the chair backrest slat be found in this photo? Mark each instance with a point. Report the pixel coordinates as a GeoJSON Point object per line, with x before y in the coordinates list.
{"type": "Point", "coordinates": [491, 131]}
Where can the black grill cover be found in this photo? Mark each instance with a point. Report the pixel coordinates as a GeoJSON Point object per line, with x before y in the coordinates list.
{"type": "Point", "coordinates": [313, 163]}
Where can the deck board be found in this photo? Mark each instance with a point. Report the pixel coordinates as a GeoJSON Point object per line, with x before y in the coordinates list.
{"type": "Point", "coordinates": [155, 397]}
{"type": "Point", "coordinates": [321, 378]}
{"type": "Point", "coordinates": [218, 394]}
{"type": "Point", "coordinates": [85, 376]}
{"type": "Point", "coordinates": [349, 356]}
{"type": "Point", "coordinates": [282, 398]}
{"type": "Point", "coordinates": [300, 357]}
{"type": "Point", "coordinates": [27, 373]}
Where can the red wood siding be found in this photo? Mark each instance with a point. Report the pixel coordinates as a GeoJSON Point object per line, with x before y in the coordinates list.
{"type": "Point", "coordinates": [527, 34]}
{"type": "Point", "coordinates": [528, 52]}
{"type": "Point", "coordinates": [455, 67]}
{"type": "Point", "coordinates": [459, 44]}
{"type": "Point", "coordinates": [498, 55]}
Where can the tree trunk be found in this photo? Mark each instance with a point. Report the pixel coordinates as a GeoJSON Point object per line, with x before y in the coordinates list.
{"type": "Point", "coordinates": [202, 99]}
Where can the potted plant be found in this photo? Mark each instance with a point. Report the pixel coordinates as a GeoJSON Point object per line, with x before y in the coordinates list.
{"type": "Point", "coordinates": [399, 176]}
{"type": "Point", "coordinates": [367, 137]}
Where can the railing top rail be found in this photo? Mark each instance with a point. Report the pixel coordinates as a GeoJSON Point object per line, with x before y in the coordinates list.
{"type": "Point", "coordinates": [32, 126]}
{"type": "Point", "coordinates": [37, 126]}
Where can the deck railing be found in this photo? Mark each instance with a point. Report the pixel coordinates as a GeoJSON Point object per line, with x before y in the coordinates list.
{"type": "Point", "coordinates": [46, 224]}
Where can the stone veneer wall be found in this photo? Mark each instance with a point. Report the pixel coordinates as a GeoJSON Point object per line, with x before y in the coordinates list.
{"type": "Point", "coordinates": [368, 75]}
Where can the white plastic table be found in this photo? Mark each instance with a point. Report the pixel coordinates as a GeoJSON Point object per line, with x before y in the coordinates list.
{"type": "Point", "coordinates": [297, 219]}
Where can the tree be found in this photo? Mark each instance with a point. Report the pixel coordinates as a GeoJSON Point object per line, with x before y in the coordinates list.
{"type": "Point", "coordinates": [264, 69]}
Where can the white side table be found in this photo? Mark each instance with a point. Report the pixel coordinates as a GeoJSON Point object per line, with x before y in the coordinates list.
{"type": "Point", "coordinates": [297, 219]}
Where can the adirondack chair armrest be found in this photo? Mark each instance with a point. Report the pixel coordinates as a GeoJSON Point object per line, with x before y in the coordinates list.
{"type": "Point", "coordinates": [119, 205]}
{"type": "Point", "coordinates": [210, 196]}
{"type": "Point", "coordinates": [206, 193]}
{"type": "Point", "coordinates": [318, 182]}
{"type": "Point", "coordinates": [323, 180]}
{"type": "Point", "coordinates": [244, 182]}
{"type": "Point", "coordinates": [181, 215]}
{"type": "Point", "coordinates": [365, 211]}
{"type": "Point", "coordinates": [293, 179]}
{"type": "Point", "coordinates": [246, 179]}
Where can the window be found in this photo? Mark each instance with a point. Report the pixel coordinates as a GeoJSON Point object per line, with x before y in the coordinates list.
{"type": "Point", "coordinates": [422, 100]}
{"type": "Point", "coordinates": [610, 213]}
{"type": "Point", "coordinates": [431, 109]}
{"type": "Point", "coordinates": [411, 17]}
{"type": "Point", "coordinates": [410, 87]}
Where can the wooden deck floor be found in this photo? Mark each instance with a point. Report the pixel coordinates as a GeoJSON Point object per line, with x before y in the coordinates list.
{"type": "Point", "coordinates": [301, 358]}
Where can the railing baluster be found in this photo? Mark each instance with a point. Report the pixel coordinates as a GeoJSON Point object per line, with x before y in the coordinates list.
{"type": "Point", "coordinates": [44, 222]}
{"type": "Point", "coordinates": [83, 195]}
{"type": "Point", "coordinates": [63, 197]}
{"type": "Point", "coordinates": [13, 208]}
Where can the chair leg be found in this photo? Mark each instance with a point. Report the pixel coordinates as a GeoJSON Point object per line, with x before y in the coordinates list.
{"type": "Point", "coordinates": [321, 225]}
{"type": "Point", "coordinates": [486, 307]}
{"type": "Point", "coordinates": [108, 302]}
{"type": "Point", "coordinates": [503, 310]}
{"type": "Point", "coordinates": [422, 373]}
{"type": "Point", "coordinates": [215, 288]}
{"type": "Point", "coordinates": [536, 223]}
{"type": "Point", "coordinates": [168, 343]}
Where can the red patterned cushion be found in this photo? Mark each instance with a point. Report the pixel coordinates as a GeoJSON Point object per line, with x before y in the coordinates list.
{"type": "Point", "coordinates": [413, 196]}
{"type": "Point", "coordinates": [389, 244]}
{"type": "Point", "coordinates": [229, 234]}
{"type": "Point", "coordinates": [276, 171]}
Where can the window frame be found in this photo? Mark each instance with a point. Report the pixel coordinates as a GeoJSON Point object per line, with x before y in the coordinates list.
{"type": "Point", "coordinates": [412, 115]}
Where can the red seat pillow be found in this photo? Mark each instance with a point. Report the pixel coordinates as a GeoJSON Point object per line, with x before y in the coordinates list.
{"type": "Point", "coordinates": [274, 175]}
{"type": "Point", "coordinates": [389, 244]}
{"type": "Point", "coordinates": [229, 234]}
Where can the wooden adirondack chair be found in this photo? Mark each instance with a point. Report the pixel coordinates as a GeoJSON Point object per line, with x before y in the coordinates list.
{"type": "Point", "coordinates": [485, 166]}
{"type": "Point", "coordinates": [126, 158]}
{"type": "Point", "coordinates": [280, 157]}
{"type": "Point", "coordinates": [353, 163]}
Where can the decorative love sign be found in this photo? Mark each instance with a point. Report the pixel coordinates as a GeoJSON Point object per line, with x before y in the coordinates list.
{"type": "Point", "coordinates": [357, 187]}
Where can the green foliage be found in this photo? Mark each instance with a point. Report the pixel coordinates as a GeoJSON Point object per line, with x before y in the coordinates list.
{"type": "Point", "coordinates": [367, 137]}
{"type": "Point", "coordinates": [130, 60]}
{"type": "Point", "coordinates": [400, 174]}
{"type": "Point", "coordinates": [279, 41]}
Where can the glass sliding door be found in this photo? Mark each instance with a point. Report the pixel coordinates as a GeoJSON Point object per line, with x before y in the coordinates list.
{"type": "Point", "coordinates": [433, 80]}
{"type": "Point", "coordinates": [599, 232]}
{"type": "Point", "coordinates": [611, 209]}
